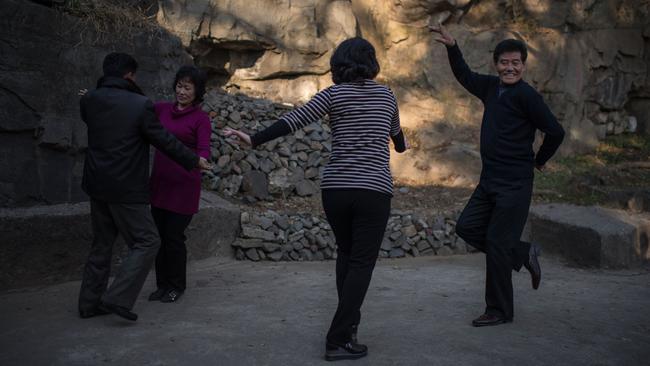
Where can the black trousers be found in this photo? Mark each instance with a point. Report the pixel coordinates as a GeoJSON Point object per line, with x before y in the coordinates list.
{"type": "Point", "coordinates": [358, 219]}
{"type": "Point", "coordinates": [492, 222]}
{"type": "Point", "coordinates": [135, 224]}
{"type": "Point", "coordinates": [171, 261]}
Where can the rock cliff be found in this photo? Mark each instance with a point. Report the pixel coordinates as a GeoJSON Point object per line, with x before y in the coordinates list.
{"type": "Point", "coordinates": [589, 58]}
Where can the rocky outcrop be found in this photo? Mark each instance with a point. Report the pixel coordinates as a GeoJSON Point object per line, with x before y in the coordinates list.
{"type": "Point", "coordinates": [588, 58]}
{"type": "Point", "coordinates": [46, 57]}
{"type": "Point", "coordinates": [269, 47]}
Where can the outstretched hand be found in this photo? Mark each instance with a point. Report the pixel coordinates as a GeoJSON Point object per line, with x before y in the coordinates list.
{"type": "Point", "coordinates": [238, 135]}
{"type": "Point", "coordinates": [444, 36]}
{"type": "Point", "coordinates": [82, 92]}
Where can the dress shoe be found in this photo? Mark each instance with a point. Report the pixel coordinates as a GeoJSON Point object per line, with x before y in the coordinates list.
{"type": "Point", "coordinates": [158, 294]}
{"type": "Point", "coordinates": [85, 314]}
{"type": "Point", "coordinates": [350, 351]}
{"type": "Point", "coordinates": [533, 265]}
{"type": "Point", "coordinates": [487, 320]}
{"type": "Point", "coordinates": [119, 311]}
{"type": "Point", "coordinates": [171, 296]}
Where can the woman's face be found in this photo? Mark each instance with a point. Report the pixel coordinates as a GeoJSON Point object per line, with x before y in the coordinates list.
{"type": "Point", "coordinates": [185, 93]}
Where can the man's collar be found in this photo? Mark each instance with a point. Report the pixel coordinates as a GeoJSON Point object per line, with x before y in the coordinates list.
{"type": "Point", "coordinates": [119, 83]}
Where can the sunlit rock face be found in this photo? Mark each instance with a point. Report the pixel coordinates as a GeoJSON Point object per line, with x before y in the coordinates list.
{"type": "Point", "coordinates": [588, 58]}
{"type": "Point", "coordinates": [275, 48]}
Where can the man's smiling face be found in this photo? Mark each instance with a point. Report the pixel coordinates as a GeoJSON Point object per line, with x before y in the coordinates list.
{"type": "Point", "coordinates": [510, 67]}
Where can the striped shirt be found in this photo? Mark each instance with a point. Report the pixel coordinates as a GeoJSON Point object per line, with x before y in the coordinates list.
{"type": "Point", "coordinates": [363, 115]}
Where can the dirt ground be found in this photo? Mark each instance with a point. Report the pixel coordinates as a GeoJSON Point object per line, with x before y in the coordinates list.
{"type": "Point", "coordinates": [417, 312]}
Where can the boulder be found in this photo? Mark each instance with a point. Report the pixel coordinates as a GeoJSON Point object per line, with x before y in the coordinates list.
{"type": "Point", "coordinates": [306, 188]}
{"type": "Point", "coordinates": [255, 184]}
{"type": "Point", "coordinates": [590, 236]}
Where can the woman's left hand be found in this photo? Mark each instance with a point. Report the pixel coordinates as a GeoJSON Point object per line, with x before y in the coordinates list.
{"type": "Point", "coordinates": [239, 136]}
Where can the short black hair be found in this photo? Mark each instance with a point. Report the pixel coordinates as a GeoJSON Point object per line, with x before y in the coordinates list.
{"type": "Point", "coordinates": [511, 45]}
{"type": "Point", "coordinates": [119, 64]}
{"type": "Point", "coordinates": [196, 76]}
{"type": "Point", "coordinates": [354, 59]}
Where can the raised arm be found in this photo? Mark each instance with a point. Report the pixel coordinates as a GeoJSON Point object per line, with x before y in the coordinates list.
{"type": "Point", "coordinates": [475, 83]}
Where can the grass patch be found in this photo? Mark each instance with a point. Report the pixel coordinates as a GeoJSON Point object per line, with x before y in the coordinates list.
{"type": "Point", "coordinates": [619, 164]}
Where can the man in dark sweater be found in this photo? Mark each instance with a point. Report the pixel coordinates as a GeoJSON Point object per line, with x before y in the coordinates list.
{"type": "Point", "coordinates": [121, 124]}
{"type": "Point", "coordinates": [496, 213]}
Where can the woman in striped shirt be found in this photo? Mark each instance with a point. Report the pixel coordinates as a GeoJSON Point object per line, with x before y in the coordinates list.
{"type": "Point", "coordinates": [356, 184]}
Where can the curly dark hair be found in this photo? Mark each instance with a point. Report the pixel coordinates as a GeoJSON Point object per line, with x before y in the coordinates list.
{"type": "Point", "coordinates": [510, 45]}
{"type": "Point", "coordinates": [354, 59]}
{"type": "Point", "coordinates": [196, 76]}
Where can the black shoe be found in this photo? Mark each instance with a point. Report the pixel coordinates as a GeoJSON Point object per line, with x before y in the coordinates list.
{"type": "Point", "coordinates": [157, 295]}
{"type": "Point", "coordinates": [355, 329]}
{"type": "Point", "coordinates": [351, 351]}
{"type": "Point", "coordinates": [533, 265]}
{"type": "Point", "coordinates": [119, 311]}
{"type": "Point", "coordinates": [487, 320]}
{"type": "Point", "coordinates": [85, 314]}
{"type": "Point", "coordinates": [171, 296]}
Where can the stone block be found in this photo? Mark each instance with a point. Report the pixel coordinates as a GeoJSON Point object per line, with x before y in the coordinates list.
{"type": "Point", "coordinates": [590, 236]}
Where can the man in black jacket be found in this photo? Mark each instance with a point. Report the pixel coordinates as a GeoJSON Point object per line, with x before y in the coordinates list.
{"type": "Point", "coordinates": [496, 213]}
{"type": "Point", "coordinates": [121, 124]}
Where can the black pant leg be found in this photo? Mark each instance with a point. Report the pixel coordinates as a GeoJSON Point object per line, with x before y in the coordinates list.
{"type": "Point", "coordinates": [504, 245]}
{"type": "Point", "coordinates": [338, 211]}
{"type": "Point", "coordinates": [161, 275]}
{"type": "Point", "coordinates": [520, 254]}
{"type": "Point", "coordinates": [98, 266]}
{"type": "Point", "coordinates": [370, 212]}
{"type": "Point", "coordinates": [173, 245]}
{"type": "Point", "coordinates": [137, 227]}
{"type": "Point", "coordinates": [472, 225]}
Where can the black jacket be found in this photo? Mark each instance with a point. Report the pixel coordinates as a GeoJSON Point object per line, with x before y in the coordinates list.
{"type": "Point", "coordinates": [510, 119]}
{"type": "Point", "coordinates": [121, 124]}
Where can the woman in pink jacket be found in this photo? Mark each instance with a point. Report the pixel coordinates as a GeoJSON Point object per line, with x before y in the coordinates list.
{"type": "Point", "coordinates": [174, 191]}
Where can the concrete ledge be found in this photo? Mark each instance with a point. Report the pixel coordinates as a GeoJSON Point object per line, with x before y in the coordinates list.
{"type": "Point", "coordinates": [46, 244]}
{"type": "Point", "coordinates": [214, 228]}
{"type": "Point", "coordinates": [590, 236]}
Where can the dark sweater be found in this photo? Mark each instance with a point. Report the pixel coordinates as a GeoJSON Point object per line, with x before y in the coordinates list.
{"type": "Point", "coordinates": [509, 122]}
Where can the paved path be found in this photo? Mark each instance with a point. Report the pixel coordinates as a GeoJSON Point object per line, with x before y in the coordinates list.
{"type": "Point", "coordinates": [417, 313]}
